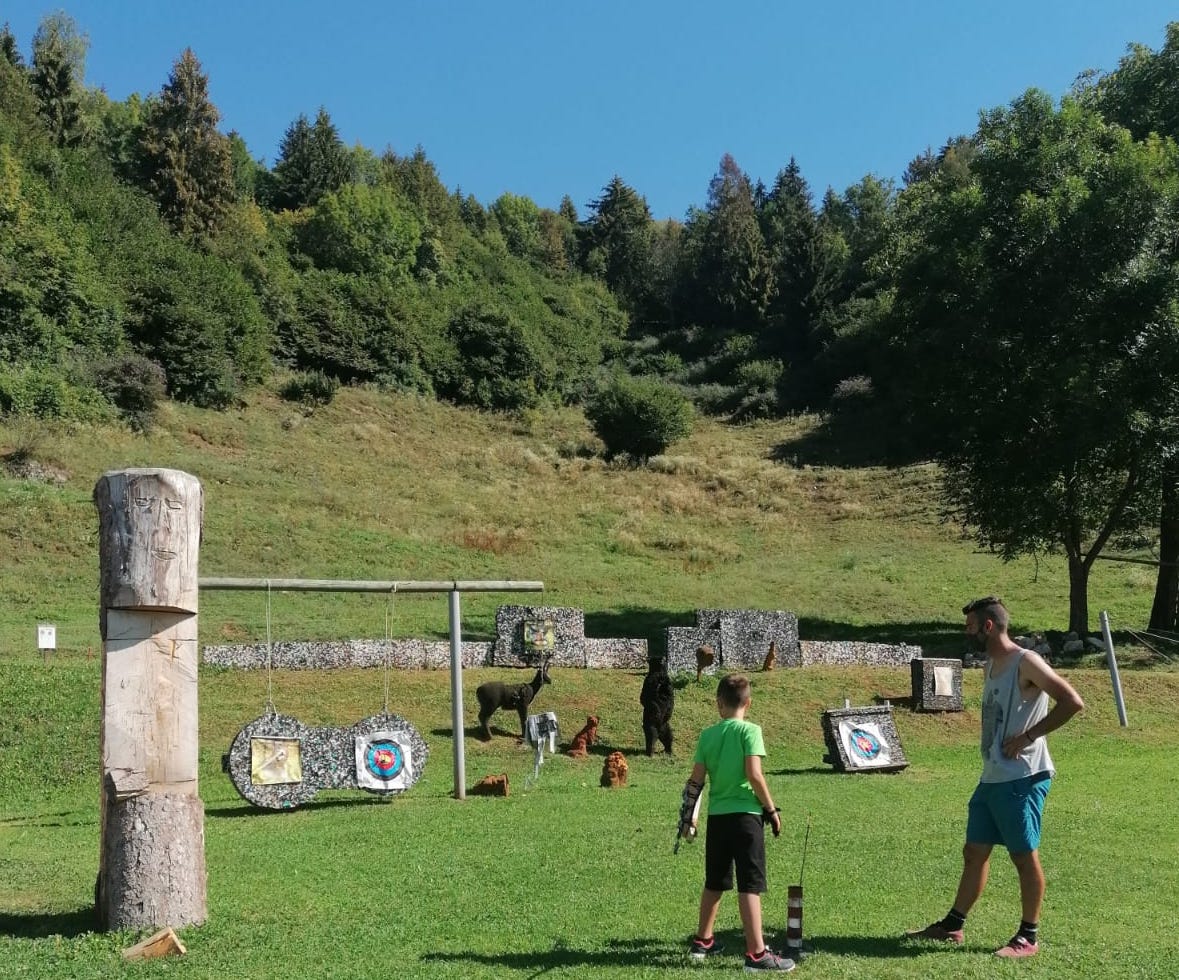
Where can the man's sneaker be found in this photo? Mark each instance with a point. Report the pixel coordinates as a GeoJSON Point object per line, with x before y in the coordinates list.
{"type": "Point", "coordinates": [939, 932]}
{"type": "Point", "coordinates": [1019, 946]}
{"type": "Point", "coordinates": [768, 961]}
{"type": "Point", "coordinates": [701, 950]}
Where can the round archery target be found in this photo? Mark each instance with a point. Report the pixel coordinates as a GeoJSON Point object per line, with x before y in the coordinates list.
{"type": "Point", "coordinates": [382, 761]}
{"type": "Point", "coordinates": [864, 744]}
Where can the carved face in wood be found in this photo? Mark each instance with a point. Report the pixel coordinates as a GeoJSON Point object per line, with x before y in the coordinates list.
{"type": "Point", "coordinates": [152, 526]}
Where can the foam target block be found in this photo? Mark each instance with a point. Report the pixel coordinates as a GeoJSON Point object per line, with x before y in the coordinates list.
{"type": "Point", "coordinates": [278, 763]}
{"type": "Point", "coordinates": [863, 740]}
{"type": "Point", "coordinates": [937, 684]}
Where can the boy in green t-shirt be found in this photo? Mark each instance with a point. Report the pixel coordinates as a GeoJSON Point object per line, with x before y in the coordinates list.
{"type": "Point", "coordinates": [729, 753]}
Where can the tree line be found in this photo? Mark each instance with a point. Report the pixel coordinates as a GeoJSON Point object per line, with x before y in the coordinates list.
{"type": "Point", "coordinates": [1009, 309]}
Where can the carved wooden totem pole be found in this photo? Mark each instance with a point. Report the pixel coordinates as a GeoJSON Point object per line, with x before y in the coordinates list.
{"type": "Point", "coordinates": [152, 861]}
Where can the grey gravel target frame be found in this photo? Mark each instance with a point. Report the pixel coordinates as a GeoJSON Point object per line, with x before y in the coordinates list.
{"type": "Point", "coordinates": [327, 757]}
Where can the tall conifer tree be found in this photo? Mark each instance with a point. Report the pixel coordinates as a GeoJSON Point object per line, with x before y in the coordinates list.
{"type": "Point", "coordinates": [188, 164]}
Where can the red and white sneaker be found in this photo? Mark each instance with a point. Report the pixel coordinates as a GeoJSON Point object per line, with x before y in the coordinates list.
{"type": "Point", "coordinates": [1018, 947]}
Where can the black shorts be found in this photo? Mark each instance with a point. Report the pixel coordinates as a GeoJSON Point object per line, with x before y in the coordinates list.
{"type": "Point", "coordinates": [735, 839]}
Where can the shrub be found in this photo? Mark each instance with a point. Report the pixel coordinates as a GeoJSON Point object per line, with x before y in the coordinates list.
{"type": "Point", "coordinates": [850, 391]}
{"type": "Point", "coordinates": [406, 376]}
{"type": "Point", "coordinates": [500, 363]}
{"type": "Point", "coordinates": [45, 393]}
{"type": "Point", "coordinates": [639, 416]}
{"type": "Point", "coordinates": [310, 388]}
{"type": "Point", "coordinates": [134, 384]}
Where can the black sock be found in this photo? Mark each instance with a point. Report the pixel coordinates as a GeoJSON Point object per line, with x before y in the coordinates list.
{"type": "Point", "coordinates": [1028, 930]}
{"type": "Point", "coordinates": [953, 921]}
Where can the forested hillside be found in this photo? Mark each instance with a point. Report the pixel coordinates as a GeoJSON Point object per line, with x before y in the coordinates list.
{"type": "Point", "coordinates": [1010, 310]}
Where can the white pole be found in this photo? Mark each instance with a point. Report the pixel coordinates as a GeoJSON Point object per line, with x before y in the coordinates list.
{"type": "Point", "coordinates": [1113, 668]}
{"type": "Point", "coordinates": [456, 697]}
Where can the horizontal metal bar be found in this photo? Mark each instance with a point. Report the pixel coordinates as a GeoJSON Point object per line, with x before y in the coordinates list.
{"type": "Point", "coordinates": [344, 585]}
{"type": "Point", "coordinates": [1139, 561]}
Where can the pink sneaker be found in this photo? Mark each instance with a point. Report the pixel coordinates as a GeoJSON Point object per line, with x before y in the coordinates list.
{"type": "Point", "coordinates": [1019, 946]}
{"type": "Point", "coordinates": [939, 932]}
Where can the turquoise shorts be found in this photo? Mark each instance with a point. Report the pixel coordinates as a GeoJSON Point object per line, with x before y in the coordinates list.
{"type": "Point", "coordinates": [1008, 813]}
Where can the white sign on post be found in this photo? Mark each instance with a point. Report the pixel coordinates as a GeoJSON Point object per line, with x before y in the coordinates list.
{"type": "Point", "coordinates": [46, 636]}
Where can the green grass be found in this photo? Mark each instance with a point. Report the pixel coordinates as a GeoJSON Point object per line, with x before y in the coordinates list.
{"type": "Point", "coordinates": [392, 487]}
{"type": "Point", "coordinates": [569, 879]}
{"type": "Point", "coordinates": [565, 878]}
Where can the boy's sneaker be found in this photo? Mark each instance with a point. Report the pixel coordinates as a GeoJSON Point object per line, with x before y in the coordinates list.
{"type": "Point", "coordinates": [939, 932]}
{"type": "Point", "coordinates": [1019, 946]}
{"type": "Point", "coordinates": [768, 961]}
{"type": "Point", "coordinates": [701, 950]}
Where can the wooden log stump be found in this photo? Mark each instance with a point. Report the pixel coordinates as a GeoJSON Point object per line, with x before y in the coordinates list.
{"type": "Point", "coordinates": [152, 858]}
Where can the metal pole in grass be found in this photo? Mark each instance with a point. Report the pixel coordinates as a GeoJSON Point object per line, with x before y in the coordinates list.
{"type": "Point", "coordinates": [456, 697]}
{"type": "Point", "coordinates": [1113, 668]}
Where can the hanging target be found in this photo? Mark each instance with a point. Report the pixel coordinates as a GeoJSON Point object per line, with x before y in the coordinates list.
{"type": "Point", "coordinates": [279, 763]}
{"type": "Point", "coordinates": [389, 754]}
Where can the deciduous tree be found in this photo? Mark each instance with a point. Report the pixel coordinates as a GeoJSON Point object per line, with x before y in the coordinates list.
{"type": "Point", "coordinates": [1039, 304]}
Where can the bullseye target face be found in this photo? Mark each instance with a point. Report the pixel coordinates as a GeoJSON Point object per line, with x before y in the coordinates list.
{"type": "Point", "coordinates": [865, 745]}
{"type": "Point", "coordinates": [382, 761]}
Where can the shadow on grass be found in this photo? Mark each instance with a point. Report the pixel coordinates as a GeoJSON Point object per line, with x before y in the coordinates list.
{"type": "Point", "coordinates": [616, 953]}
{"type": "Point", "coordinates": [883, 947]}
{"type": "Point", "coordinates": [246, 809]}
{"type": "Point", "coordinates": [81, 818]}
{"type": "Point", "coordinates": [474, 732]}
{"type": "Point", "coordinates": [855, 437]}
{"type": "Point", "coordinates": [40, 925]}
{"type": "Point", "coordinates": [638, 622]}
{"type": "Point", "coordinates": [808, 771]}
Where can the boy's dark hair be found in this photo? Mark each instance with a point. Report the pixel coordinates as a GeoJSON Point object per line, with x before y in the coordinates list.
{"type": "Point", "coordinates": [733, 690]}
{"type": "Point", "coordinates": [989, 607]}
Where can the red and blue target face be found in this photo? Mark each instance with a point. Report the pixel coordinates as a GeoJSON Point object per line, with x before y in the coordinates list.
{"type": "Point", "coordinates": [864, 744]}
{"type": "Point", "coordinates": [383, 759]}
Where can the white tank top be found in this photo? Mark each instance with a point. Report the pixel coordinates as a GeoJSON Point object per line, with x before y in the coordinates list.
{"type": "Point", "coordinates": [1005, 712]}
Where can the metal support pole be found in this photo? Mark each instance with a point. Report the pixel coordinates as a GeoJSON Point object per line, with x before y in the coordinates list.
{"type": "Point", "coordinates": [456, 697]}
{"type": "Point", "coordinates": [1113, 668]}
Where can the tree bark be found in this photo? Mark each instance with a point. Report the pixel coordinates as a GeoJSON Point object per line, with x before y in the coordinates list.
{"type": "Point", "coordinates": [1078, 594]}
{"type": "Point", "coordinates": [152, 857]}
{"type": "Point", "coordinates": [1164, 614]}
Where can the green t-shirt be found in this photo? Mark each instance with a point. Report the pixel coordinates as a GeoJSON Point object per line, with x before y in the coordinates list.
{"type": "Point", "coordinates": [722, 750]}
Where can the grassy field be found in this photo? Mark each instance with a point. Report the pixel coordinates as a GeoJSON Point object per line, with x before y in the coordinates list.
{"type": "Point", "coordinates": [568, 879]}
{"type": "Point", "coordinates": [384, 487]}
{"type": "Point", "coordinates": [564, 878]}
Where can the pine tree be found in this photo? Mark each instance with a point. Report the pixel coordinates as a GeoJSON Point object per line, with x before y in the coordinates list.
{"type": "Point", "coordinates": [188, 164]}
{"type": "Point", "coordinates": [8, 48]}
{"type": "Point", "coordinates": [734, 271]}
{"type": "Point", "coordinates": [616, 242]}
{"type": "Point", "coordinates": [312, 161]}
{"type": "Point", "coordinates": [59, 59]}
{"type": "Point", "coordinates": [805, 262]}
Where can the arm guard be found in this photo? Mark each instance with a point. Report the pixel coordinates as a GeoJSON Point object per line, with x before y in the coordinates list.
{"type": "Point", "coordinates": [689, 812]}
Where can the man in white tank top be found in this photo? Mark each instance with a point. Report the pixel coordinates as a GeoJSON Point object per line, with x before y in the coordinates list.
{"type": "Point", "coordinates": [1008, 803]}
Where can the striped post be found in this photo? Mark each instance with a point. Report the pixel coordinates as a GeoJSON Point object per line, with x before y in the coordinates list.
{"type": "Point", "coordinates": [794, 922]}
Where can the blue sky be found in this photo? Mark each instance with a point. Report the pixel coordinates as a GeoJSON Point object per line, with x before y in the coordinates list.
{"type": "Point", "coordinates": [545, 98]}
